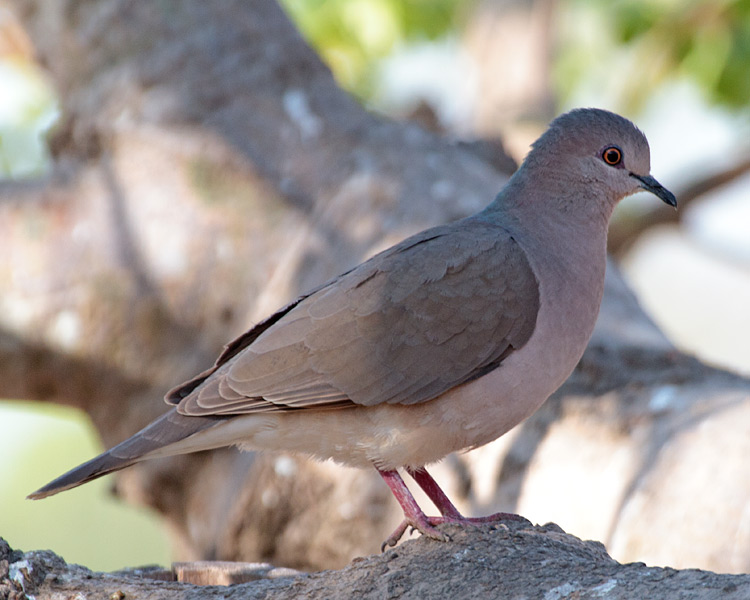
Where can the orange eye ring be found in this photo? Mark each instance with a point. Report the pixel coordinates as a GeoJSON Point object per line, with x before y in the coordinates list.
{"type": "Point", "coordinates": [612, 155]}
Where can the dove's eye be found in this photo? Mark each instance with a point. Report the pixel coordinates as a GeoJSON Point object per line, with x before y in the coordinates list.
{"type": "Point", "coordinates": [612, 155]}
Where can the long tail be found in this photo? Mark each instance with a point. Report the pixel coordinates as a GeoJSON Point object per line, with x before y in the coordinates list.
{"type": "Point", "coordinates": [160, 438]}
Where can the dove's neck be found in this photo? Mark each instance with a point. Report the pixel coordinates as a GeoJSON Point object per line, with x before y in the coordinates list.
{"type": "Point", "coordinates": [562, 220]}
{"type": "Point", "coordinates": [566, 246]}
{"type": "Point", "coordinates": [554, 193]}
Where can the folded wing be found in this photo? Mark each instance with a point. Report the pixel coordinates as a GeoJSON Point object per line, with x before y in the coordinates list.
{"type": "Point", "coordinates": [439, 309]}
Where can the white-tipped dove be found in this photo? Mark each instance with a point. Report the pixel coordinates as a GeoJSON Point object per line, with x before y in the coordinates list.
{"type": "Point", "coordinates": [441, 343]}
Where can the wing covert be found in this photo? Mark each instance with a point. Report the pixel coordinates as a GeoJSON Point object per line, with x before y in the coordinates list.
{"type": "Point", "coordinates": [435, 311]}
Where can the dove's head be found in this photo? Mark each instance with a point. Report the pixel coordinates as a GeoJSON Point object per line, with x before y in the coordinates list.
{"type": "Point", "coordinates": [594, 154]}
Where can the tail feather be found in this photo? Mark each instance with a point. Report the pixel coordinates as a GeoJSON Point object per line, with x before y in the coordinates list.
{"type": "Point", "coordinates": [154, 439]}
{"type": "Point", "coordinates": [97, 467]}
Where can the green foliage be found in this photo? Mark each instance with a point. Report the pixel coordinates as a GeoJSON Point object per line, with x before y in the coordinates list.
{"type": "Point", "coordinates": [625, 48]}
{"type": "Point", "coordinates": [635, 45]}
{"type": "Point", "coordinates": [352, 35]}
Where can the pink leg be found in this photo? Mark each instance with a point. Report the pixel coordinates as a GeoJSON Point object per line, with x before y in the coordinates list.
{"type": "Point", "coordinates": [433, 491]}
{"type": "Point", "coordinates": [414, 517]}
{"type": "Point", "coordinates": [445, 506]}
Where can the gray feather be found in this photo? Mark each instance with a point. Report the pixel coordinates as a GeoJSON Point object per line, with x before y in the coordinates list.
{"type": "Point", "coordinates": [433, 312]}
{"type": "Point", "coordinates": [168, 429]}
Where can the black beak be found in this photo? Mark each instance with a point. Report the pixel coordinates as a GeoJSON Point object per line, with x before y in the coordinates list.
{"type": "Point", "coordinates": [650, 184]}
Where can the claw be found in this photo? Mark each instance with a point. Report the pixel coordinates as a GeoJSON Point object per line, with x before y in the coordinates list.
{"type": "Point", "coordinates": [417, 520]}
{"type": "Point", "coordinates": [424, 526]}
{"type": "Point", "coordinates": [427, 526]}
{"type": "Point", "coordinates": [393, 539]}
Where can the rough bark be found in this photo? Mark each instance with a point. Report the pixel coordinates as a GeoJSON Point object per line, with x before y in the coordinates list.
{"type": "Point", "coordinates": [513, 560]}
{"type": "Point", "coordinates": [206, 170]}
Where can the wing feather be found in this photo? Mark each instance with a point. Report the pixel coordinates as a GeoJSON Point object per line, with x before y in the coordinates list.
{"type": "Point", "coordinates": [437, 310]}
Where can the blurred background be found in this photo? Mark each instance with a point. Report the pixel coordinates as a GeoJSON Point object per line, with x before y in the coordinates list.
{"type": "Point", "coordinates": [472, 69]}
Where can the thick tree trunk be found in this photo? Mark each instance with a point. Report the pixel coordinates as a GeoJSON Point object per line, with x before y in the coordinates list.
{"type": "Point", "coordinates": [206, 170]}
